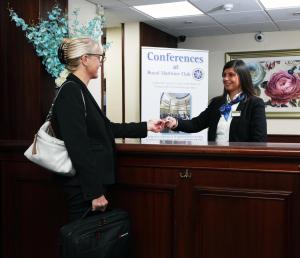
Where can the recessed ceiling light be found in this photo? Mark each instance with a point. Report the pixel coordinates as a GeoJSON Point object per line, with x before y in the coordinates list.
{"type": "Point", "coordinates": [273, 4]}
{"type": "Point", "coordinates": [168, 10]}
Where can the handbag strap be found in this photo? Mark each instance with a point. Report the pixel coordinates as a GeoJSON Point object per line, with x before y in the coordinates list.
{"type": "Point", "coordinates": [85, 114]}
{"type": "Point", "coordinates": [49, 116]}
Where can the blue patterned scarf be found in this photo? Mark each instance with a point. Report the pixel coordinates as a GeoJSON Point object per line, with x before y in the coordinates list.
{"type": "Point", "coordinates": [226, 108]}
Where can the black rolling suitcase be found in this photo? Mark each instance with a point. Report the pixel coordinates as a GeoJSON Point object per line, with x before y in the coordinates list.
{"type": "Point", "coordinates": [101, 235]}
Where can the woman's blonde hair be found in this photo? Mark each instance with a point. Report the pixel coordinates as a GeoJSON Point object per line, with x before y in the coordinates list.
{"type": "Point", "coordinates": [72, 49]}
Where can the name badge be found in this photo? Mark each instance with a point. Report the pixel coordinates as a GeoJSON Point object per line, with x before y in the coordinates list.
{"type": "Point", "coordinates": [236, 113]}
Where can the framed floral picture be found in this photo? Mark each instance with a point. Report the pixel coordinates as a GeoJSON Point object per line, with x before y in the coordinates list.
{"type": "Point", "coordinates": [276, 79]}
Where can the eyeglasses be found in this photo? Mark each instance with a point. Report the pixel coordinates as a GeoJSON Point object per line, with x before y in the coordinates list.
{"type": "Point", "coordinates": [101, 58]}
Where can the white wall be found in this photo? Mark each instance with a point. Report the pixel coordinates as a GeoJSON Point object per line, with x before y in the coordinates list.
{"type": "Point", "coordinates": [113, 74]}
{"type": "Point", "coordinates": [219, 45]}
{"type": "Point", "coordinates": [132, 72]}
{"type": "Point", "coordinates": [86, 12]}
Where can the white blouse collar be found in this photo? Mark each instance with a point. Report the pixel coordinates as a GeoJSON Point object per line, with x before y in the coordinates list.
{"type": "Point", "coordinates": [235, 96]}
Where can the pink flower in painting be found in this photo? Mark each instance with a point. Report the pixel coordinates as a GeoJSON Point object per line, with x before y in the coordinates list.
{"type": "Point", "coordinates": [282, 87]}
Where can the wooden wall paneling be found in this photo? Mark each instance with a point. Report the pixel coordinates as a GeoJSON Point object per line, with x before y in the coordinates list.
{"type": "Point", "coordinates": [283, 138]}
{"type": "Point", "coordinates": [295, 221]}
{"type": "Point", "coordinates": [4, 69]}
{"type": "Point", "coordinates": [273, 198]}
{"type": "Point", "coordinates": [32, 209]}
{"type": "Point", "coordinates": [138, 174]}
{"type": "Point", "coordinates": [21, 69]}
{"type": "Point", "coordinates": [227, 205]}
{"type": "Point", "coordinates": [241, 223]}
{"type": "Point", "coordinates": [245, 179]}
{"type": "Point", "coordinates": [123, 72]}
{"type": "Point", "coordinates": [152, 37]}
{"type": "Point", "coordinates": [27, 90]}
{"type": "Point", "coordinates": [152, 222]}
{"type": "Point", "coordinates": [2, 207]}
{"type": "Point", "coordinates": [184, 216]}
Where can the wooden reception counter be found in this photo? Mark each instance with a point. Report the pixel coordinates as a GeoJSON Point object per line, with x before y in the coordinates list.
{"type": "Point", "coordinates": [186, 200]}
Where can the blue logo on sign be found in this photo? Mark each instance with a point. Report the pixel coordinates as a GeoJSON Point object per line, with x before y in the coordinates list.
{"type": "Point", "coordinates": [198, 74]}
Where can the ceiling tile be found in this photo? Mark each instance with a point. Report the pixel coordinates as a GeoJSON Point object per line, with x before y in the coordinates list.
{"type": "Point", "coordinates": [146, 2]}
{"type": "Point", "coordinates": [112, 4]}
{"type": "Point", "coordinates": [242, 17]}
{"type": "Point", "coordinates": [216, 5]}
{"type": "Point", "coordinates": [112, 16]}
{"type": "Point", "coordinates": [284, 14]}
{"type": "Point", "coordinates": [203, 31]}
{"type": "Point", "coordinates": [255, 27]}
{"type": "Point", "coordinates": [289, 25]}
{"type": "Point", "coordinates": [188, 22]}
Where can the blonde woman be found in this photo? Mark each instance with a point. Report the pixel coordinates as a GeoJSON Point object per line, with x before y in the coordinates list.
{"type": "Point", "coordinates": [88, 134]}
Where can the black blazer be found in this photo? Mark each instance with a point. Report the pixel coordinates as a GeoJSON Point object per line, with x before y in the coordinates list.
{"type": "Point", "coordinates": [250, 126]}
{"type": "Point", "coordinates": [89, 138]}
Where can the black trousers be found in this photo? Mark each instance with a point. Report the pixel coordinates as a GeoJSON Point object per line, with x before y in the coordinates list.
{"type": "Point", "coordinates": [77, 205]}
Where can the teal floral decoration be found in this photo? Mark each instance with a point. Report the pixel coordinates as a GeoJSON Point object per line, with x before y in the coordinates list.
{"type": "Point", "coordinates": [93, 29]}
{"type": "Point", "coordinates": [47, 35]}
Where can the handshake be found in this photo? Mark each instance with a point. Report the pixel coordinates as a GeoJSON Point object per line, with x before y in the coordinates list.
{"type": "Point", "coordinates": [157, 125]}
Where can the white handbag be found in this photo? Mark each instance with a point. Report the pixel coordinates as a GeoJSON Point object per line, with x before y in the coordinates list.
{"type": "Point", "coordinates": [48, 151]}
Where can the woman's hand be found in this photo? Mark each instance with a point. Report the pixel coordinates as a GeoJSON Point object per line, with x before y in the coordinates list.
{"type": "Point", "coordinates": [171, 122]}
{"type": "Point", "coordinates": [99, 203]}
{"type": "Point", "coordinates": [155, 125]}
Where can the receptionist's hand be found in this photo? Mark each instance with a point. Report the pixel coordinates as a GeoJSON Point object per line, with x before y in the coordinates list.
{"type": "Point", "coordinates": [171, 122]}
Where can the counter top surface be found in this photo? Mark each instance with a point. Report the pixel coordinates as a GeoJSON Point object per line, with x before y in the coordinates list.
{"type": "Point", "coordinates": [211, 148]}
{"type": "Point", "coordinates": [139, 146]}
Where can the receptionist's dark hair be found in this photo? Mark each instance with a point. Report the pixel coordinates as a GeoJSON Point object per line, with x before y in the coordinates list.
{"type": "Point", "coordinates": [244, 74]}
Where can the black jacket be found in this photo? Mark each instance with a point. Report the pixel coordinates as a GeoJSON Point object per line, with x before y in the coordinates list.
{"type": "Point", "coordinates": [89, 138]}
{"type": "Point", "coordinates": [250, 126]}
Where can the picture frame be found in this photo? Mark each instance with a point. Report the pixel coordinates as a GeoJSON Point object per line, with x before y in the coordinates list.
{"type": "Point", "coordinates": [276, 79]}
